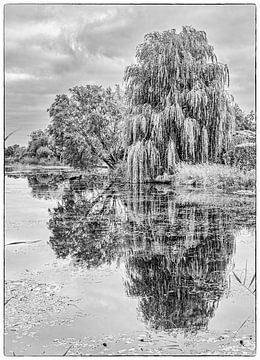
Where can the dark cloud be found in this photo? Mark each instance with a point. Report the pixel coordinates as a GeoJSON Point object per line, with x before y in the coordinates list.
{"type": "Point", "coordinates": [50, 48]}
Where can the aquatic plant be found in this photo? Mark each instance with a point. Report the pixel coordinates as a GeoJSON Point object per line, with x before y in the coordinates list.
{"type": "Point", "coordinates": [179, 108]}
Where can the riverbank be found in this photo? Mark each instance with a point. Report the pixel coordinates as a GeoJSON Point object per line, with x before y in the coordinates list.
{"type": "Point", "coordinates": [30, 160]}
{"type": "Point", "coordinates": [202, 176]}
{"type": "Point", "coordinates": [215, 176]}
{"type": "Point", "coordinates": [24, 167]}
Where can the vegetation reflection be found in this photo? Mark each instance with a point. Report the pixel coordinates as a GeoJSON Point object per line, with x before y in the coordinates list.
{"type": "Point", "coordinates": [179, 269]}
{"type": "Point", "coordinates": [176, 253]}
{"type": "Point", "coordinates": [84, 225]}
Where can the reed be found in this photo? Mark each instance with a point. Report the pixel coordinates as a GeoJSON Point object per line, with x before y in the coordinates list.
{"type": "Point", "coordinates": [215, 176]}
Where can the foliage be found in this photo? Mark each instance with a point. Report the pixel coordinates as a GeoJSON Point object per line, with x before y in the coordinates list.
{"type": "Point", "coordinates": [250, 121]}
{"type": "Point", "coordinates": [244, 156]}
{"type": "Point", "coordinates": [243, 150]}
{"type": "Point", "coordinates": [32, 160]}
{"type": "Point", "coordinates": [39, 151]}
{"type": "Point", "coordinates": [43, 152]}
{"type": "Point", "coordinates": [179, 106]}
{"type": "Point", "coordinates": [38, 138]}
{"type": "Point", "coordinates": [11, 150]}
{"type": "Point", "coordinates": [243, 121]}
{"type": "Point", "coordinates": [86, 126]}
{"type": "Point", "coordinates": [243, 136]}
{"type": "Point", "coordinates": [15, 152]}
{"type": "Point", "coordinates": [29, 160]}
{"type": "Point", "coordinates": [119, 174]}
{"type": "Point", "coordinates": [239, 117]}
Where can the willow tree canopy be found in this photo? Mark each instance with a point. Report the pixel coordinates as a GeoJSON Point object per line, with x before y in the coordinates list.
{"type": "Point", "coordinates": [179, 108]}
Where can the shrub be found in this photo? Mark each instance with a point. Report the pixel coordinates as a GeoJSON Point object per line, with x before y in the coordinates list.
{"type": "Point", "coordinates": [245, 156]}
{"type": "Point", "coordinates": [43, 152]}
{"type": "Point", "coordinates": [29, 160]}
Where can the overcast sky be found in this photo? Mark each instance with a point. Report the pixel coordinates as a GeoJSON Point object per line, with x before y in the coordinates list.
{"type": "Point", "coordinates": [49, 49]}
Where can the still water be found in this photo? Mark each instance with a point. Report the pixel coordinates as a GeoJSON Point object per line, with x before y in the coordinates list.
{"type": "Point", "coordinates": [94, 267]}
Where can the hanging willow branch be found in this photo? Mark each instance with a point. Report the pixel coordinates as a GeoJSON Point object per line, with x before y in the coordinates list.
{"type": "Point", "coordinates": [179, 108]}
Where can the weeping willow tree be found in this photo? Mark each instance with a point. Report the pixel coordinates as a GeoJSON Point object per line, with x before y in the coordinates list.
{"type": "Point", "coordinates": [179, 107]}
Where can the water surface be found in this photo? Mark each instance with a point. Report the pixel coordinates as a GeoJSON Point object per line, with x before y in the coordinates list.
{"type": "Point", "coordinates": [95, 267]}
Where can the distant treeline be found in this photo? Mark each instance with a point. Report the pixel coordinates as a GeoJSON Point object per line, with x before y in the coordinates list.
{"type": "Point", "coordinates": [38, 151]}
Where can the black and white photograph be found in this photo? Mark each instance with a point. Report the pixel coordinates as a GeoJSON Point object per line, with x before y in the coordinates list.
{"type": "Point", "coordinates": [129, 179]}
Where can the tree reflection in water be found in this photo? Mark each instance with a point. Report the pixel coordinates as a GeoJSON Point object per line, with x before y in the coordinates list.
{"type": "Point", "coordinates": [176, 253]}
{"type": "Point", "coordinates": [44, 185]}
{"type": "Point", "coordinates": [179, 272]}
{"type": "Point", "coordinates": [85, 225]}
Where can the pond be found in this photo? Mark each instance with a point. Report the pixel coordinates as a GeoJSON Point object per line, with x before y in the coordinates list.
{"type": "Point", "coordinates": [100, 268]}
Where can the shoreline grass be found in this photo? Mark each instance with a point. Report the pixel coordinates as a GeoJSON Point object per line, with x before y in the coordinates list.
{"type": "Point", "coordinates": [215, 176]}
{"type": "Point", "coordinates": [201, 176]}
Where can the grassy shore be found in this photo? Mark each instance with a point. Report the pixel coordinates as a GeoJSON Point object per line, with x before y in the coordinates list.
{"type": "Point", "coordinates": [29, 160]}
{"type": "Point", "coordinates": [205, 176]}
{"type": "Point", "coordinates": [215, 176]}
